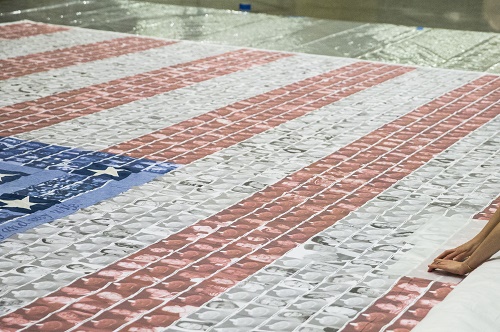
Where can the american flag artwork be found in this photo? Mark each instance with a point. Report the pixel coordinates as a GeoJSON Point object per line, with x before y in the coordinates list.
{"type": "Point", "coordinates": [165, 185]}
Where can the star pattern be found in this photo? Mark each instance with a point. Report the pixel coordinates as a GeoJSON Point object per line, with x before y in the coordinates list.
{"type": "Point", "coordinates": [108, 171]}
{"type": "Point", "coordinates": [19, 203]}
{"type": "Point", "coordinates": [3, 175]}
{"type": "Point", "coordinates": [8, 176]}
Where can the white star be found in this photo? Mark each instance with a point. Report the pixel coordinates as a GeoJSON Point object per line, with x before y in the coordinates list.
{"type": "Point", "coordinates": [4, 175]}
{"type": "Point", "coordinates": [108, 171]}
{"type": "Point", "coordinates": [19, 203]}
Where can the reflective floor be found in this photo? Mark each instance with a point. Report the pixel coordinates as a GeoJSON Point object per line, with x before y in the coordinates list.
{"type": "Point", "coordinates": [480, 15]}
{"type": "Point", "coordinates": [477, 15]}
{"type": "Point", "coordinates": [408, 44]}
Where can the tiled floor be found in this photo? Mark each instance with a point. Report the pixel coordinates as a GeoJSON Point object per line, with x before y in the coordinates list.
{"type": "Point", "coordinates": [151, 184]}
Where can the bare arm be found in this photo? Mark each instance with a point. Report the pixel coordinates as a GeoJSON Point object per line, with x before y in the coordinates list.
{"type": "Point", "coordinates": [488, 243]}
{"type": "Point", "coordinates": [463, 251]}
{"type": "Point", "coordinates": [492, 223]}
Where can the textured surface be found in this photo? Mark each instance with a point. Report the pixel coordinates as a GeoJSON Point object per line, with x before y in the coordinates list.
{"type": "Point", "coordinates": [363, 34]}
{"type": "Point", "coordinates": [182, 186]}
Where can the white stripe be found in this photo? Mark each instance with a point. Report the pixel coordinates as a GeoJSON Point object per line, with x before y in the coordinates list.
{"type": "Point", "coordinates": [30, 87]}
{"type": "Point", "coordinates": [49, 42]}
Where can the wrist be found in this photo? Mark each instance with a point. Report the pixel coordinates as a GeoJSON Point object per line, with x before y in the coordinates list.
{"type": "Point", "coordinates": [466, 267]}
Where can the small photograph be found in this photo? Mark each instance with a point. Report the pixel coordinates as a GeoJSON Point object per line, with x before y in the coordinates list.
{"type": "Point", "coordinates": [313, 328]}
{"type": "Point", "coordinates": [6, 266]}
{"type": "Point", "coordinates": [140, 304]}
{"type": "Point", "coordinates": [240, 323]}
{"type": "Point", "coordinates": [405, 323]}
{"type": "Point", "coordinates": [361, 267]}
{"type": "Point", "coordinates": [15, 280]}
{"type": "Point", "coordinates": [24, 256]}
{"type": "Point", "coordinates": [383, 225]}
{"type": "Point", "coordinates": [330, 290]}
{"type": "Point", "coordinates": [65, 254]}
{"type": "Point", "coordinates": [80, 268]}
{"type": "Point", "coordinates": [308, 304]}
{"type": "Point", "coordinates": [26, 293]}
{"type": "Point", "coordinates": [285, 293]}
{"type": "Point", "coordinates": [8, 304]}
{"type": "Point", "coordinates": [313, 253]}
{"type": "Point", "coordinates": [118, 232]}
{"type": "Point", "coordinates": [294, 261]}
{"type": "Point", "coordinates": [309, 275]}
{"type": "Point", "coordinates": [298, 315]}
{"type": "Point", "coordinates": [387, 245]}
{"type": "Point", "coordinates": [258, 311]}
{"type": "Point", "coordinates": [359, 245]}
{"type": "Point", "coordinates": [298, 284]}
{"type": "Point", "coordinates": [342, 278]}
{"type": "Point", "coordinates": [354, 301]}
{"type": "Point", "coordinates": [222, 304]}
{"type": "Point", "coordinates": [14, 242]}
{"type": "Point", "coordinates": [44, 284]}
{"type": "Point", "coordinates": [99, 260]}
{"type": "Point", "coordinates": [333, 320]}
{"type": "Point", "coordinates": [239, 296]}
{"type": "Point", "coordinates": [326, 240]}
{"type": "Point", "coordinates": [280, 324]}
{"type": "Point", "coordinates": [271, 301]}
{"type": "Point", "coordinates": [361, 261]}
{"type": "Point", "coordinates": [379, 255]}
{"type": "Point", "coordinates": [279, 270]}
{"type": "Point", "coordinates": [150, 236]}
{"type": "Point", "coordinates": [33, 271]}
{"type": "Point", "coordinates": [367, 291]}
{"type": "Point", "coordinates": [52, 261]}
{"type": "Point", "coordinates": [324, 267]}
{"type": "Point", "coordinates": [60, 276]}
{"type": "Point", "coordinates": [382, 282]}
{"type": "Point", "coordinates": [69, 234]}
{"type": "Point", "coordinates": [121, 249]}
{"type": "Point", "coordinates": [191, 325]}
{"type": "Point", "coordinates": [339, 310]}
{"type": "Point", "coordinates": [366, 237]}
{"type": "Point", "coordinates": [205, 314]}
{"type": "Point", "coordinates": [89, 228]}
{"type": "Point", "coordinates": [53, 243]}
{"type": "Point", "coordinates": [346, 227]}
{"type": "Point", "coordinates": [268, 280]}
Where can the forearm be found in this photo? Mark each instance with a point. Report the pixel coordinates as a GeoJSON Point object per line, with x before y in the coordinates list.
{"type": "Point", "coordinates": [492, 223]}
{"type": "Point", "coordinates": [488, 247]}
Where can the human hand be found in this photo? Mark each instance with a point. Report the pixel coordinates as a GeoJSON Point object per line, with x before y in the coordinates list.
{"type": "Point", "coordinates": [450, 266]}
{"type": "Point", "coordinates": [461, 252]}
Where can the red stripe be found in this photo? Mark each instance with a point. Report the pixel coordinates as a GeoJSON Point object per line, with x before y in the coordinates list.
{"type": "Point", "coordinates": [38, 62]}
{"type": "Point", "coordinates": [26, 29]}
{"type": "Point", "coordinates": [487, 213]}
{"type": "Point", "coordinates": [203, 135]}
{"type": "Point", "coordinates": [43, 112]}
{"type": "Point", "coordinates": [397, 301]}
{"type": "Point", "coordinates": [414, 314]}
{"type": "Point", "coordinates": [279, 218]}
